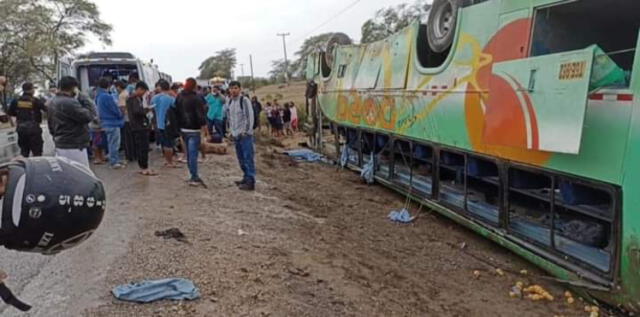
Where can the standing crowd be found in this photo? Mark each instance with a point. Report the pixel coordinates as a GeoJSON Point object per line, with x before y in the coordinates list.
{"type": "Point", "coordinates": [282, 120]}
{"type": "Point", "coordinates": [127, 116]}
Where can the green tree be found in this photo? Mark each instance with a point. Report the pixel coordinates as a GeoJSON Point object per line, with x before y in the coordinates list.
{"type": "Point", "coordinates": [390, 20]}
{"type": "Point", "coordinates": [35, 33]}
{"type": "Point", "coordinates": [221, 64]}
{"type": "Point", "coordinates": [277, 71]}
{"type": "Point", "coordinates": [310, 45]}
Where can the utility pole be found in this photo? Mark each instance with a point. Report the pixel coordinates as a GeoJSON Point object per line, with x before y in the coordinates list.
{"type": "Point", "coordinates": [242, 69]}
{"type": "Point", "coordinates": [253, 83]}
{"type": "Point", "coordinates": [286, 62]}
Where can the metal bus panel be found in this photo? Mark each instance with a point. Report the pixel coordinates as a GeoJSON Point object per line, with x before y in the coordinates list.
{"type": "Point", "coordinates": [395, 60]}
{"type": "Point", "coordinates": [449, 105]}
{"type": "Point", "coordinates": [369, 70]}
{"type": "Point", "coordinates": [551, 95]}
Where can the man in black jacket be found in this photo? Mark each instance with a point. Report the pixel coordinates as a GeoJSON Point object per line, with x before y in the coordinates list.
{"type": "Point", "coordinates": [28, 112]}
{"type": "Point", "coordinates": [140, 127]}
{"type": "Point", "coordinates": [69, 122]}
{"type": "Point", "coordinates": [192, 121]}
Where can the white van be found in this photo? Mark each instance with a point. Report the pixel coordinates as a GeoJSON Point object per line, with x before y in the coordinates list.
{"type": "Point", "coordinates": [89, 68]}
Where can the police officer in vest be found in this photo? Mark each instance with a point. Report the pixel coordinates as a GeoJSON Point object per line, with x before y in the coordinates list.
{"type": "Point", "coordinates": [28, 112]}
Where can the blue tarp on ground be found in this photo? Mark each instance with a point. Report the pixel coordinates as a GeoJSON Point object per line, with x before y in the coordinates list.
{"type": "Point", "coordinates": [149, 291]}
{"type": "Point", "coordinates": [304, 155]}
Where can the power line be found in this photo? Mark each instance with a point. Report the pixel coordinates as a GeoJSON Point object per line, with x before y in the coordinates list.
{"type": "Point", "coordinates": [347, 8]}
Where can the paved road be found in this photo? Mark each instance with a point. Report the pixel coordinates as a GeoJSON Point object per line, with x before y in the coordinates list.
{"type": "Point", "coordinates": [65, 284]}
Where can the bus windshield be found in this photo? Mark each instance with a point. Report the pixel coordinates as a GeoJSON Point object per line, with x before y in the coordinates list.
{"type": "Point", "coordinates": [90, 74]}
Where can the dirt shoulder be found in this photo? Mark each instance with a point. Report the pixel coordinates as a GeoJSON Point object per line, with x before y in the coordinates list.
{"type": "Point", "coordinates": [311, 241]}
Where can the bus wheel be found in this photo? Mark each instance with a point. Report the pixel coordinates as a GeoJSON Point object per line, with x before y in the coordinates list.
{"type": "Point", "coordinates": [330, 48]}
{"type": "Point", "coordinates": [442, 24]}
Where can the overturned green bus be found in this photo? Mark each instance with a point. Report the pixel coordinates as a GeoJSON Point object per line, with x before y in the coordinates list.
{"type": "Point", "coordinates": [519, 119]}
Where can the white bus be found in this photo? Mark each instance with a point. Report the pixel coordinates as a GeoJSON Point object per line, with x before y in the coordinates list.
{"type": "Point", "coordinates": [89, 68]}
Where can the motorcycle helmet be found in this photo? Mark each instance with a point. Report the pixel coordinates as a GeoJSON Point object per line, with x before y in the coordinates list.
{"type": "Point", "coordinates": [49, 204]}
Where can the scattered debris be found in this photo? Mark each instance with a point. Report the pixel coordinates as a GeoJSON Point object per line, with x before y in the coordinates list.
{"type": "Point", "coordinates": [298, 272]}
{"type": "Point", "coordinates": [214, 148]}
{"type": "Point", "coordinates": [516, 290]}
{"type": "Point", "coordinates": [524, 272]}
{"type": "Point", "coordinates": [401, 216]}
{"type": "Point", "coordinates": [500, 272]}
{"type": "Point", "coordinates": [368, 172]}
{"type": "Point", "coordinates": [150, 291]}
{"type": "Point", "coordinates": [593, 310]}
{"type": "Point", "coordinates": [536, 293]}
{"type": "Point", "coordinates": [304, 155]}
{"type": "Point", "coordinates": [476, 274]}
{"type": "Point", "coordinates": [173, 233]}
{"type": "Point", "coordinates": [242, 232]}
{"type": "Point", "coordinates": [569, 297]}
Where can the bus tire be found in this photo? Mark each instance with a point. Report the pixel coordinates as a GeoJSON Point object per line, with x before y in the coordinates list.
{"type": "Point", "coordinates": [330, 48]}
{"type": "Point", "coordinates": [441, 25]}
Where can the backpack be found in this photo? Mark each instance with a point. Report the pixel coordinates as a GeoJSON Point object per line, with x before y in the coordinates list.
{"type": "Point", "coordinates": [255, 116]}
{"type": "Point", "coordinates": [171, 124]}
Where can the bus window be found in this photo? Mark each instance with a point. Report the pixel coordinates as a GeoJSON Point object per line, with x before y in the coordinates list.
{"type": "Point", "coordinates": [95, 72]}
{"type": "Point", "coordinates": [529, 205]}
{"type": "Point", "coordinates": [483, 190]}
{"type": "Point", "coordinates": [452, 178]}
{"type": "Point", "coordinates": [402, 173]}
{"type": "Point", "coordinates": [612, 25]}
{"type": "Point", "coordinates": [584, 223]}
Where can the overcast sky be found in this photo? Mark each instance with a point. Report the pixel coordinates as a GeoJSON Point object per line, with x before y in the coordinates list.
{"type": "Point", "coordinates": [179, 35]}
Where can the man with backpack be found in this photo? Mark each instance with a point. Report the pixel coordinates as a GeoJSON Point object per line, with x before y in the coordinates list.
{"type": "Point", "coordinates": [192, 121]}
{"type": "Point", "coordinates": [241, 121]}
{"type": "Point", "coordinates": [164, 105]}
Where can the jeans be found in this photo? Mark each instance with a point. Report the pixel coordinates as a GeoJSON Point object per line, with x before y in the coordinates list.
{"type": "Point", "coordinates": [210, 126]}
{"type": "Point", "coordinates": [141, 146]}
{"type": "Point", "coordinates": [219, 126]}
{"type": "Point", "coordinates": [113, 144]}
{"type": "Point", "coordinates": [244, 150]}
{"type": "Point", "coordinates": [192, 139]}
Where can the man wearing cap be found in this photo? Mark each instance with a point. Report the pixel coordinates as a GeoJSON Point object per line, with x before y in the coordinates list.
{"type": "Point", "coordinates": [28, 112]}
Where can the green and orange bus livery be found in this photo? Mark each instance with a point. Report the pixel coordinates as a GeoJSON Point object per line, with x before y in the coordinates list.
{"type": "Point", "coordinates": [519, 119]}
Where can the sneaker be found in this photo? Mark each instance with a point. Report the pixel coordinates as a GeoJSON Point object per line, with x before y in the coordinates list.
{"type": "Point", "coordinates": [117, 166]}
{"type": "Point", "coordinates": [247, 186]}
{"type": "Point", "coordinates": [238, 183]}
{"type": "Point", "coordinates": [196, 182]}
